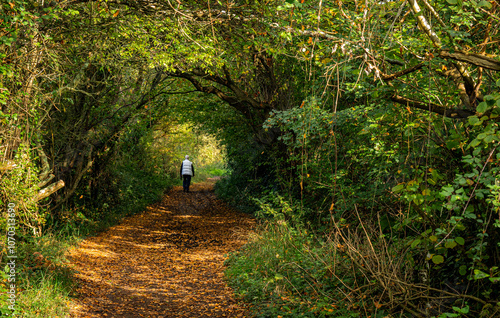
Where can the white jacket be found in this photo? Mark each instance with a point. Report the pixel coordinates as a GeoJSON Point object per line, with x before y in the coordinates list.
{"type": "Point", "coordinates": [187, 168]}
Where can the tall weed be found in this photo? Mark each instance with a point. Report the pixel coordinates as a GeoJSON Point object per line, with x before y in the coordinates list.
{"type": "Point", "coordinates": [287, 270]}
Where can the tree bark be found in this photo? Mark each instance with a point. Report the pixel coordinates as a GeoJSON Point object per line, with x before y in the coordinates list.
{"type": "Point", "coordinates": [472, 58]}
{"type": "Point", "coordinates": [49, 190]}
{"type": "Point", "coordinates": [424, 25]}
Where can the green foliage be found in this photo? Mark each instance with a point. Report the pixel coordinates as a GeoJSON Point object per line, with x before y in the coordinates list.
{"type": "Point", "coordinates": [362, 160]}
{"type": "Point", "coordinates": [129, 179]}
{"type": "Point", "coordinates": [289, 271]}
{"type": "Point", "coordinates": [19, 186]}
{"type": "Point", "coordinates": [462, 243]}
{"type": "Point", "coordinates": [137, 188]}
{"type": "Point", "coordinates": [252, 172]}
{"type": "Point", "coordinates": [352, 149]}
{"type": "Point", "coordinates": [204, 150]}
{"type": "Point", "coordinates": [4, 297]}
{"type": "Point", "coordinates": [458, 312]}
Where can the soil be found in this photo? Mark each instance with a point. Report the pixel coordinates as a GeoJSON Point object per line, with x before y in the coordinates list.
{"type": "Point", "coordinates": [165, 262]}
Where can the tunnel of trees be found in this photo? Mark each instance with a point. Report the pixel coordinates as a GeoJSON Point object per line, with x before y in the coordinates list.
{"type": "Point", "coordinates": [363, 133]}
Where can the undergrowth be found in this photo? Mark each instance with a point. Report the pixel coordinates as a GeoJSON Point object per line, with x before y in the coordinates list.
{"type": "Point", "coordinates": [353, 269]}
{"type": "Point", "coordinates": [287, 270]}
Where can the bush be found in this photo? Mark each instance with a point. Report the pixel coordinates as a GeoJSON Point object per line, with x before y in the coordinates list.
{"type": "Point", "coordinates": [286, 270]}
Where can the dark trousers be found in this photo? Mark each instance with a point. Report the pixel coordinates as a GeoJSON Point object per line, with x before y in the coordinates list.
{"type": "Point", "coordinates": [186, 181]}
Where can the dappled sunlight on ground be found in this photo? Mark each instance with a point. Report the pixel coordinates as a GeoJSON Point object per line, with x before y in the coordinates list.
{"type": "Point", "coordinates": [165, 262]}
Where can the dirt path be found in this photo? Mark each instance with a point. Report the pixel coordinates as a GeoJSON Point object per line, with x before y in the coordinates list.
{"type": "Point", "coordinates": [165, 262]}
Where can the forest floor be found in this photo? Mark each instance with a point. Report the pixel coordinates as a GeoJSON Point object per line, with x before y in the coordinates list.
{"type": "Point", "coordinates": [165, 262]}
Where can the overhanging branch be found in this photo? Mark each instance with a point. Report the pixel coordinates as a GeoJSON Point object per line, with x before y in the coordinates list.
{"type": "Point", "coordinates": [238, 98]}
{"type": "Point", "coordinates": [389, 77]}
{"type": "Point", "coordinates": [431, 107]}
{"type": "Point", "coordinates": [473, 58]}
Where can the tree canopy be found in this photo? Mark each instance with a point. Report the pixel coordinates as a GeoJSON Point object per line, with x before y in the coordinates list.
{"type": "Point", "coordinates": [377, 113]}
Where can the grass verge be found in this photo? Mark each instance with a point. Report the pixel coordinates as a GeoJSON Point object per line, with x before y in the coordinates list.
{"type": "Point", "coordinates": [43, 280]}
{"type": "Point", "coordinates": [287, 270]}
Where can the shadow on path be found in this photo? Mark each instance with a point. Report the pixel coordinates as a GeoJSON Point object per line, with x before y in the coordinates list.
{"type": "Point", "coordinates": [164, 262]}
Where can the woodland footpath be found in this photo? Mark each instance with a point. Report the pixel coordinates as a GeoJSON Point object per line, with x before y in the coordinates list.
{"type": "Point", "coordinates": [363, 135]}
{"type": "Point", "coordinates": [165, 262]}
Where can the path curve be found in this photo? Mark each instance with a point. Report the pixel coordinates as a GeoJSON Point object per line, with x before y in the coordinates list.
{"type": "Point", "coordinates": [165, 262]}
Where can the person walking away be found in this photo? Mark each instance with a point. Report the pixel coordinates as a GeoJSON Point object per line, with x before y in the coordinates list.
{"type": "Point", "coordinates": [187, 171]}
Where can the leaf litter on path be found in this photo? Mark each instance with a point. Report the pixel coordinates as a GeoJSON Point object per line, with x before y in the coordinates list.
{"type": "Point", "coordinates": [165, 262]}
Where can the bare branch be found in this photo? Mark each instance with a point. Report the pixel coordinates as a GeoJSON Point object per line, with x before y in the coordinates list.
{"type": "Point", "coordinates": [424, 25]}
{"type": "Point", "coordinates": [45, 162]}
{"type": "Point", "coordinates": [456, 76]}
{"type": "Point", "coordinates": [434, 13]}
{"type": "Point", "coordinates": [473, 58]}
{"type": "Point", "coordinates": [389, 77]}
{"type": "Point", "coordinates": [241, 101]}
{"type": "Point", "coordinates": [431, 107]}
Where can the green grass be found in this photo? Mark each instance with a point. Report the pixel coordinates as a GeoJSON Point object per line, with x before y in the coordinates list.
{"type": "Point", "coordinates": [43, 279]}
{"type": "Point", "coordinates": [287, 271]}
{"type": "Point", "coordinates": [279, 275]}
{"type": "Point", "coordinates": [216, 172]}
{"type": "Point", "coordinates": [48, 296]}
